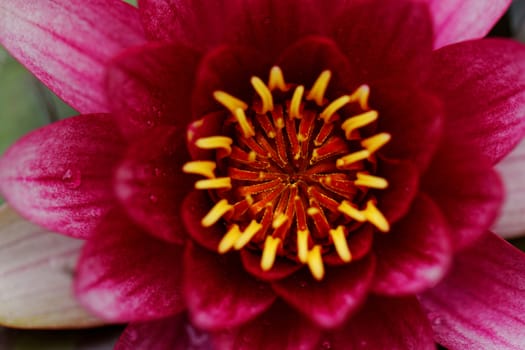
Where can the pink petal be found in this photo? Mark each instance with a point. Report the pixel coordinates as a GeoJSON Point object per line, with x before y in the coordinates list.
{"type": "Point", "coordinates": [458, 20]}
{"type": "Point", "coordinates": [384, 323]}
{"type": "Point", "coordinates": [126, 275]}
{"type": "Point", "coordinates": [219, 293]}
{"type": "Point", "coordinates": [480, 304]}
{"type": "Point", "coordinates": [151, 185]}
{"type": "Point", "coordinates": [174, 333]}
{"type": "Point", "coordinates": [417, 252]}
{"type": "Point", "coordinates": [60, 176]}
{"type": "Point", "coordinates": [278, 328]}
{"type": "Point", "coordinates": [36, 274]}
{"type": "Point", "coordinates": [151, 85]}
{"type": "Point", "coordinates": [332, 300]}
{"type": "Point", "coordinates": [482, 84]}
{"type": "Point", "coordinates": [67, 46]}
{"type": "Point", "coordinates": [511, 222]}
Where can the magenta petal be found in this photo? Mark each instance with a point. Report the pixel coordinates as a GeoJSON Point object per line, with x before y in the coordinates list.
{"type": "Point", "coordinates": [174, 333]}
{"type": "Point", "coordinates": [417, 252]}
{"type": "Point", "coordinates": [151, 85]}
{"type": "Point", "coordinates": [278, 328]}
{"type": "Point", "coordinates": [151, 185]}
{"type": "Point", "coordinates": [458, 20]}
{"type": "Point", "coordinates": [482, 84]}
{"type": "Point", "coordinates": [332, 300]}
{"type": "Point", "coordinates": [480, 303]}
{"type": "Point", "coordinates": [219, 293]}
{"type": "Point", "coordinates": [126, 275]}
{"type": "Point", "coordinates": [67, 46]}
{"type": "Point", "coordinates": [384, 323]}
{"type": "Point", "coordinates": [60, 176]}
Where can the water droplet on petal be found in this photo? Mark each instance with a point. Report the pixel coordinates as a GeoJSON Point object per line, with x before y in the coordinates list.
{"type": "Point", "coordinates": [72, 178]}
{"type": "Point", "coordinates": [157, 172]}
{"type": "Point", "coordinates": [153, 199]}
{"type": "Point", "coordinates": [437, 321]}
{"type": "Point", "coordinates": [303, 284]}
{"type": "Point", "coordinates": [326, 345]}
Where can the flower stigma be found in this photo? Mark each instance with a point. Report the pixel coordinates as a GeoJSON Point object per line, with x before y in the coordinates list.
{"type": "Point", "coordinates": [293, 174]}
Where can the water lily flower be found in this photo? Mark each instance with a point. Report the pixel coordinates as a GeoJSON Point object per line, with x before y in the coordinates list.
{"type": "Point", "coordinates": [278, 174]}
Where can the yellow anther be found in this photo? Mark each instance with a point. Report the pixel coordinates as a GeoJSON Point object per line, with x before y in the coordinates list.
{"type": "Point", "coordinates": [219, 209]}
{"type": "Point", "coordinates": [341, 246]}
{"type": "Point", "coordinates": [375, 142]}
{"type": "Point", "coordinates": [249, 232]}
{"type": "Point", "coordinates": [214, 184]}
{"type": "Point", "coordinates": [295, 103]}
{"type": "Point", "coordinates": [276, 80]}
{"type": "Point", "coordinates": [361, 95]}
{"type": "Point", "coordinates": [315, 262]}
{"type": "Point", "coordinates": [333, 107]}
{"type": "Point", "coordinates": [246, 128]}
{"type": "Point", "coordinates": [302, 245]}
{"type": "Point", "coordinates": [230, 102]}
{"type": "Point", "coordinates": [346, 208]}
{"type": "Point", "coordinates": [352, 158]}
{"type": "Point", "coordinates": [265, 94]}
{"type": "Point", "coordinates": [371, 181]}
{"type": "Point", "coordinates": [215, 142]}
{"type": "Point", "coordinates": [200, 167]}
{"type": "Point", "coordinates": [312, 211]}
{"type": "Point", "coordinates": [229, 239]}
{"type": "Point", "coordinates": [269, 252]}
{"type": "Point", "coordinates": [358, 121]}
{"type": "Point", "coordinates": [252, 156]}
{"type": "Point", "coordinates": [319, 88]}
{"type": "Point", "coordinates": [279, 220]}
{"type": "Point", "coordinates": [375, 217]}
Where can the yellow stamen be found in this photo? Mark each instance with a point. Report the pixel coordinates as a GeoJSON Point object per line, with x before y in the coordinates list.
{"type": "Point", "coordinates": [200, 167]}
{"type": "Point", "coordinates": [230, 102]}
{"type": "Point", "coordinates": [247, 129]}
{"type": "Point", "coordinates": [295, 103]}
{"type": "Point", "coordinates": [249, 232]}
{"type": "Point", "coordinates": [279, 220]}
{"type": "Point", "coordinates": [229, 239]}
{"type": "Point", "coordinates": [375, 217]}
{"type": "Point", "coordinates": [215, 142]}
{"type": "Point", "coordinates": [265, 94]}
{"type": "Point", "coordinates": [214, 184]}
{"type": "Point", "coordinates": [276, 80]}
{"type": "Point", "coordinates": [346, 208]}
{"type": "Point", "coordinates": [302, 245]}
{"type": "Point", "coordinates": [352, 158]}
{"type": "Point", "coordinates": [315, 262]}
{"type": "Point", "coordinates": [375, 142]}
{"type": "Point", "coordinates": [341, 246]}
{"type": "Point", "coordinates": [269, 252]}
{"type": "Point", "coordinates": [361, 95]}
{"type": "Point", "coordinates": [358, 121]}
{"type": "Point", "coordinates": [371, 181]}
{"type": "Point", "coordinates": [219, 209]}
{"type": "Point", "coordinates": [252, 156]}
{"type": "Point", "coordinates": [333, 107]}
{"type": "Point", "coordinates": [319, 88]}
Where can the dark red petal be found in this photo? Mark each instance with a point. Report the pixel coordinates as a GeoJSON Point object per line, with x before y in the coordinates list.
{"type": "Point", "coordinates": [126, 275]}
{"type": "Point", "coordinates": [151, 185]}
{"type": "Point", "coordinates": [480, 303]}
{"type": "Point", "coordinates": [281, 268]}
{"type": "Point", "coordinates": [415, 254]}
{"type": "Point", "coordinates": [219, 293]}
{"type": "Point", "coordinates": [195, 207]}
{"type": "Point", "coordinates": [151, 85]}
{"type": "Point", "coordinates": [60, 176]}
{"type": "Point", "coordinates": [280, 327]}
{"type": "Point", "coordinates": [468, 191]}
{"type": "Point", "coordinates": [332, 300]}
{"type": "Point", "coordinates": [174, 333]}
{"type": "Point", "coordinates": [482, 84]}
{"type": "Point", "coordinates": [385, 38]}
{"type": "Point", "coordinates": [228, 69]}
{"type": "Point", "coordinates": [67, 46]}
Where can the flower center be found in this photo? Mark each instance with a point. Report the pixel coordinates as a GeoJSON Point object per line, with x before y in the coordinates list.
{"type": "Point", "coordinates": [291, 176]}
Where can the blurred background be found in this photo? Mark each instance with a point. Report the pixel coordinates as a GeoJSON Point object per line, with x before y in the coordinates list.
{"type": "Point", "coordinates": [25, 104]}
